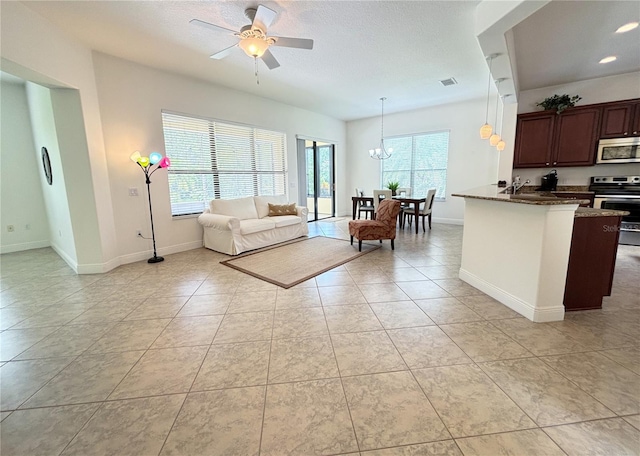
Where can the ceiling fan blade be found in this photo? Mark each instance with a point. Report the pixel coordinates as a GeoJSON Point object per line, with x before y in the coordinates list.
{"type": "Point", "coordinates": [270, 60]}
{"type": "Point", "coordinates": [214, 27]}
{"type": "Point", "coordinates": [299, 43]}
{"type": "Point", "coordinates": [263, 18]}
{"type": "Point", "coordinates": [223, 53]}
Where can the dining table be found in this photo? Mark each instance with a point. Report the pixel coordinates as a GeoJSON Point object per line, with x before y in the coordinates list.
{"type": "Point", "coordinates": [403, 199]}
{"type": "Point", "coordinates": [416, 207]}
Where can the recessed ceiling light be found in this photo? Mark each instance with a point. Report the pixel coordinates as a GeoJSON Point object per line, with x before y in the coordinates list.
{"type": "Point", "coordinates": [627, 27]}
{"type": "Point", "coordinates": [609, 59]}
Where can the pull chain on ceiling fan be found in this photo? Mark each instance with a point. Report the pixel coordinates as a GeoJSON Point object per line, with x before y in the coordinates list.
{"type": "Point", "coordinates": [254, 40]}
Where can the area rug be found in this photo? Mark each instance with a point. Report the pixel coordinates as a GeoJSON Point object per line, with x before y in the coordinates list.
{"type": "Point", "coordinates": [293, 263]}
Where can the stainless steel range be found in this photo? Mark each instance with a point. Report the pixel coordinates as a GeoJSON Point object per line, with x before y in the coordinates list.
{"type": "Point", "coordinates": [620, 193]}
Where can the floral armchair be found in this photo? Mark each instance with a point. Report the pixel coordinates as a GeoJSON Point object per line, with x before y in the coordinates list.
{"type": "Point", "coordinates": [383, 227]}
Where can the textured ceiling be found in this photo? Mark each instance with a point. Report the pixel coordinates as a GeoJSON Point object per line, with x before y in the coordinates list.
{"type": "Point", "coordinates": [564, 41]}
{"type": "Point", "coordinates": [362, 49]}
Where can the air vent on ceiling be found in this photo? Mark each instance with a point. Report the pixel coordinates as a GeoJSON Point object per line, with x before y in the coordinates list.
{"type": "Point", "coordinates": [448, 82]}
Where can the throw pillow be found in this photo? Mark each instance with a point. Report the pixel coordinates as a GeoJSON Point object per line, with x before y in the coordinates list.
{"type": "Point", "coordinates": [284, 209]}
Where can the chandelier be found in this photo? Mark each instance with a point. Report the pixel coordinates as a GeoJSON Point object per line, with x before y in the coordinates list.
{"type": "Point", "coordinates": [380, 152]}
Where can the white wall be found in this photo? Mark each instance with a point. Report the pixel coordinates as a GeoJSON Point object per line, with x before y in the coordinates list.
{"type": "Point", "coordinates": [599, 90]}
{"type": "Point", "coordinates": [55, 195]}
{"type": "Point", "coordinates": [472, 161]}
{"type": "Point", "coordinates": [131, 99]}
{"type": "Point", "coordinates": [36, 50]}
{"type": "Point", "coordinates": [21, 202]}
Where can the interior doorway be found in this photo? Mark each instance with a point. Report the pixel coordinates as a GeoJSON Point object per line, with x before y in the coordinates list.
{"type": "Point", "coordinates": [318, 188]}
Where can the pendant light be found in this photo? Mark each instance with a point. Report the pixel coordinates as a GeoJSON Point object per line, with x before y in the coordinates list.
{"type": "Point", "coordinates": [381, 153]}
{"type": "Point", "coordinates": [501, 144]}
{"type": "Point", "coordinates": [495, 137]}
{"type": "Point", "coordinates": [486, 129]}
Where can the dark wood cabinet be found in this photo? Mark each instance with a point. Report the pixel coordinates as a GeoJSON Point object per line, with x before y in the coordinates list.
{"type": "Point", "coordinates": [549, 139]}
{"type": "Point", "coordinates": [592, 259]}
{"type": "Point", "coordinates": [635, 123]}
{"type": "Point", "coordinates": [576, 137]}
{"type": "Point", "coordinates": [534, 138]}
{"type": "Point", "coordinates": [620, 119]}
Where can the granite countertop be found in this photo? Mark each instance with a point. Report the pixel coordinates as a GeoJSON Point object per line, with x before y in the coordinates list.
{"type": "Point", "coordinates": [495, 193]}
{"type": "Point", "coordinates": [591, 212]}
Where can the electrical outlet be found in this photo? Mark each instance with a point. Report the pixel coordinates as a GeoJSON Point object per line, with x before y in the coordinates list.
{"type": "Point", "coordinates": [11, 228]}
{"type": "Point", "coordinates": [133, 191]}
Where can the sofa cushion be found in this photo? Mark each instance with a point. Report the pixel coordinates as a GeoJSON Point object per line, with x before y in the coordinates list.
{"type": "Point", "coordinates": [284, 220]}
{"type": "Point", "coordinates": [241, 208]}
{"type": "Point", "coordinates": [277, 210]}
{"type": "Point", "coordinates": [262, 203]}
{"type": "Point", "coordinates": [256, 225]}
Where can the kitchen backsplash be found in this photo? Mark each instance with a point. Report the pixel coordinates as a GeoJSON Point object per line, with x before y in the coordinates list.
{"type": "Point", "coordinates": [578, 175]}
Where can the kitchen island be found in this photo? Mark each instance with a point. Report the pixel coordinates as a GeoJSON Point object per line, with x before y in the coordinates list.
{"type": "Point", "coordinates": [516, 248]}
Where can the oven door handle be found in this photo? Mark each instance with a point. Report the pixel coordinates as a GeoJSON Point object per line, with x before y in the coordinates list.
{"type": "Point", "coordinates": [616, 197]}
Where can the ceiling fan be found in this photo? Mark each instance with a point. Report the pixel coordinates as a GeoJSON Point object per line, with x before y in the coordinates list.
{"type": "Point", "coordinates": [253, 37]}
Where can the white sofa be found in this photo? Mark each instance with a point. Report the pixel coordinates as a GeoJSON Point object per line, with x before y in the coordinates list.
{"type": "Point", "coordinates": [237, 225]}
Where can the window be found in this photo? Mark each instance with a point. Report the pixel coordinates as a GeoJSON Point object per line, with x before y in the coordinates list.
{"type": "Point", "coordinates": [215, 160]}
{"type": "Point", "coordinates": [419, 162]}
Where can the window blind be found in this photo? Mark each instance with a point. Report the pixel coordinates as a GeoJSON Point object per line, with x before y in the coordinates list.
{"type": "Point", "coordinates": [217, 160]}
{"type": "Point", "coordinates": [418, 161]}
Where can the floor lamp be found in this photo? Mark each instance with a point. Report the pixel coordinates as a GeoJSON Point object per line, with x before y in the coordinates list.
{"type": "Point", "coordinates": [147, 165]}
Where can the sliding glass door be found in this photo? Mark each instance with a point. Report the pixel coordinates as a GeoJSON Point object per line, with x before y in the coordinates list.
{"type": "Point", "coordinates": [318, 179]}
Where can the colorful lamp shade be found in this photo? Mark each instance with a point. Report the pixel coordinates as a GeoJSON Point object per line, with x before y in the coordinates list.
{"type": "Point", "coordinates": [135, 156]}
{"type": "Point", "coordinates": [155, 157]}
{"type": "Point", "coordinates": [164, 162]}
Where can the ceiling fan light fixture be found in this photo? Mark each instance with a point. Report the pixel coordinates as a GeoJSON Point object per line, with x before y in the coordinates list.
{"type": "Point", "coordinates": [254, 47]}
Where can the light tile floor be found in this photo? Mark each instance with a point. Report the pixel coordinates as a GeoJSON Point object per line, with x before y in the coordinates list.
{"type": "Point", "coordinates": [387, 355]}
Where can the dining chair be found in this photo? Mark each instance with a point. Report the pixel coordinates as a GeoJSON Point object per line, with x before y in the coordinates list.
{"type": "Point", "coordinates": [425, 210]}
{"type": "Point", "coordinates": [383, 227]}
{"type": "Point", "coordinates": [365, 207]}
{"type": "Point", "coordinates": [379, 195]}
{"type": "Point", "coordinates": [404, 191]}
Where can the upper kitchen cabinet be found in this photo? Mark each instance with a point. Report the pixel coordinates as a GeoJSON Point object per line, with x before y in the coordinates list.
{"type": "Point", "coordinates": [534, 137]}
{"type": "Point", "coordinates": [576, 137]}
{"type": "Point", "coordinates": [550, 139]}
{"type": "Point", "coordinates": [620, 119]}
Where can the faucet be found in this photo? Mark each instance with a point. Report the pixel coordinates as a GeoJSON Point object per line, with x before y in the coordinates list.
{"type": "Point", "coordinates": [516, 185]}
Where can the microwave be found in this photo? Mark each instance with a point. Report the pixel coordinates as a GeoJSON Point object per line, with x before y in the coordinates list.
{"type": "Point", "coordinates": [619, 150]}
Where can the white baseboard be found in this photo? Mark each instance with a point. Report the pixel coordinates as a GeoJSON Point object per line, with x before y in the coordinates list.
{"type": "Point", "coordinates": [145, 255]}
{"type": "Point", "coordinates": [99, 268]}
{"type": "Point", "coordinates": [523, 308]}
{"type": "Point", "coordinates": [62, 254]}
{"type": "Point", "coordinates": [24, 246]}
{"type": "Point", "coordinates": [447, 221]}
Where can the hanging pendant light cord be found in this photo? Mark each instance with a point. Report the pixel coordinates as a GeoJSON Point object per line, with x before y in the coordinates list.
{"type": "Point", "coordinates": [486, 116]}
{"type": "Point", "coordinates": [255, 60]}
{"type": "Point", "coordinates": [382, 122]}
{"type": "Point", "coordinates": [497, 98]}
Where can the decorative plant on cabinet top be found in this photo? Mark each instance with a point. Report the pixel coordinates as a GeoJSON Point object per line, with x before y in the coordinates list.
{"type": "Point", "coordinates": [559, 102]}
